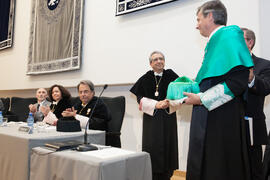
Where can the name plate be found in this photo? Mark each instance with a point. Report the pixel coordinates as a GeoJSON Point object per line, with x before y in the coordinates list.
{"type": "Point", "coordinates": [25, 129]}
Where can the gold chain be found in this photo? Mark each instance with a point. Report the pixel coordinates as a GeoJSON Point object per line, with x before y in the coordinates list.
{"type": "Point", "coordinates": [157, 83]}
{"type": "Point", "coordinates": [82, 108]}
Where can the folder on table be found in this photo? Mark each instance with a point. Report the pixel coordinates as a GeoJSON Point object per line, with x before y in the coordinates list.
{"type": "Point", "coordinates": [63, 145]}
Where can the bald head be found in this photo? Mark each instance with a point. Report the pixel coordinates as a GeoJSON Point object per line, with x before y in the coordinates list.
{"type": "Point", "coordinates": [41, 94]}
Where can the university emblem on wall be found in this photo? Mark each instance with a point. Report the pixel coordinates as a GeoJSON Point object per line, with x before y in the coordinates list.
{"type": "Point", "coordinates": [52, 4]}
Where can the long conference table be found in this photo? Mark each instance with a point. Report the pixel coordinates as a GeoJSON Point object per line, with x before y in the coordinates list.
{"type": "Point", "coordinates": [16, 146]}
{"type": "Point", "coordinates": [108, 163]}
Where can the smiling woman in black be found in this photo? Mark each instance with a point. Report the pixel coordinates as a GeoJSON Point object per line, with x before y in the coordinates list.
{"type": "Point", "coordinates": [60, 98]}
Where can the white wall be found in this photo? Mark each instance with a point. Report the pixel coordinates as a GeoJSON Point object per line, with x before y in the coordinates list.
{"type": "Point", "coordinates": [264, 38]}
{"type": "Point", "coordinates": [118, 47]}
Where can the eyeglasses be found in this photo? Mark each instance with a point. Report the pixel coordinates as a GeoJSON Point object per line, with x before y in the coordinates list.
{"type": "Point", "coordinates": [158, 58]}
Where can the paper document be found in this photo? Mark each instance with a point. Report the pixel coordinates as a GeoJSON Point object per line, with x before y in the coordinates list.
{"type": "Point", "coordinates": [108, 153]}
{"type": "Point", "coordinates": [176, 104]}
{"type": "Point", "coordinates": [250, 123]}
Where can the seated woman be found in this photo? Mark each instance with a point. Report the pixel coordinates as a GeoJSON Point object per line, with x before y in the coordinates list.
{"type": "Point", "coordinates": [60, 98]}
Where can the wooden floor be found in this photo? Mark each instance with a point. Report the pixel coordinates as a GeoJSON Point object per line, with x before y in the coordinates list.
{"type": "Point", "coordinates": [178, 178]}
{"type": "Point", "coordinates": [178, 175]}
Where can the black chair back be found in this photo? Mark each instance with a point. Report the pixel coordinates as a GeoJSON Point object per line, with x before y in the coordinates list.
{"type": "Point", "coordinates": [20, 107]}
{"type": "Point", "coordinates": [117, 107]}
{"type": "Point", "coordinates": [6, 104]}
{"type": "Point", "coordinates": [74, 100]}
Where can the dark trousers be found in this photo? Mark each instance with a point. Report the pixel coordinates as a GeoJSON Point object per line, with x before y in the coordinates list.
{"type": "Point", "coordinates": [255, 158]}
{"type": "Point", "coordinates": [163, 176]}
{"type": "Point", "coordinates": [256, 165]}
{"type": "Point", "coordinates": [266, 161]}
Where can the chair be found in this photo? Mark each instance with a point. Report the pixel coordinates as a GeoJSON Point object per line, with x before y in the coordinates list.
{"type": "Point", "coordinates": [20, 107]}
{"type": "Point", "coordinates": [6, 103]}
{"type": "Point", "coordinates": [117, 106]}
{"type": "Point", "coordinates": [74, 100]}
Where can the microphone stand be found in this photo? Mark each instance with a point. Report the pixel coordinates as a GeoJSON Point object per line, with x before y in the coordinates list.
{"type": "Point", "coordinates": [87, 146]}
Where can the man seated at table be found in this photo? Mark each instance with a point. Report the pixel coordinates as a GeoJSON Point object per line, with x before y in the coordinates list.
{"type": "Point", "coordinates": [82, 110]}
{"type": "Point", "coordinates": [41, 95]}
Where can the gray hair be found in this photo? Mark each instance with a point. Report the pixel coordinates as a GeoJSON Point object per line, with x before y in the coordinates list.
{"type": "Point", "coordinates": [88, 83]}
{"type": "Point", "coordinates": [250, 35]}
{"type": "Point", "coordinates": [42, 88]}
{"type": "Point", "coordinates": [155, 52]}
{"type": "Point", "coordinates": [217, 9]}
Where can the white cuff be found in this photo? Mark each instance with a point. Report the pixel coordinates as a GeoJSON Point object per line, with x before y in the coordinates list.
{"type": "Point", "coordinates": [83, 120]}
{"type": "Point", "coordinates": [148, 105]}
{"type": "Point", "coordinates": [175, 105]}
{"type": "Point", "coordinates": [50, 118]}
{"type": "Point", "coordinates": [214, 97]}
{"type": "Point", "coordinates": [251, 84]}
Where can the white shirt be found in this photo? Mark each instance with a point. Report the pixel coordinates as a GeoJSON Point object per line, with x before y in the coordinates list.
{"type": "Point", "coordinates": [213, 32]}
{"type": "Point", "coordinates": [158, 74]}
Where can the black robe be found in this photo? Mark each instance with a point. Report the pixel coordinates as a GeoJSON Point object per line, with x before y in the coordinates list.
{"type": "Point", "coordinates": [254, 109]}
{"type": "Point", "coordinates": [159, 131]}
{"type": "Point", "coordinates": [101, 115]}
{"type": "Point", "coordinates": [62, 105]}
{"type": "Point", "coordinates": [217, 144]}
{"type": "Point", "coordinates": [256, 96]}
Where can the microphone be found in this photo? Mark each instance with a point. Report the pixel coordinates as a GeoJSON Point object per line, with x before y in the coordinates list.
{"type": "Point", "coordinates": [87, 146]}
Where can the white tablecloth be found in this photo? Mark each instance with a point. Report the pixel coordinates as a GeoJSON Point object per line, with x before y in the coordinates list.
{"type": "Point", "coordinates": [105, 164]}
{"type": "Point", "coordinates": [15, 148]}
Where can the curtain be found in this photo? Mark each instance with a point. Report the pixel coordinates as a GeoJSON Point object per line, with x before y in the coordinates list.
{"type": "Point", "coordinates": [55, 37]}
{"type": "Point", "coordinates": [6, 23]}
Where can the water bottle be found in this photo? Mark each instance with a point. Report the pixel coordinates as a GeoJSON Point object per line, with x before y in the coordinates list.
{"type": "Point", "coordinates": [1, 118]}
{"type": "Point", "coordinates": [30, 120]}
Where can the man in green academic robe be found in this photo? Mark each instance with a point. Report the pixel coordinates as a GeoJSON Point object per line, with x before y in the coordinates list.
{"type": "Point", "coordinates": [217, 147]}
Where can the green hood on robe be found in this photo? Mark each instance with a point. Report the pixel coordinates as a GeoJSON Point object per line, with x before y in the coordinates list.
{"type": "Point", "coordinates": [225, 50]}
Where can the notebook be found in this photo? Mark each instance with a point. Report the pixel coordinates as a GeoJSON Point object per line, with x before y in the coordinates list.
{"type": "Point", "coordinates": [63, 145]}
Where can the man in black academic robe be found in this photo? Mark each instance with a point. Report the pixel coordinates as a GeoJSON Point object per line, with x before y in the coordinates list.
{"type": "Point", "coordinates": [259, 87]}
{"type": "Point", "coordinates": [217, 146]}
{"type": "Point", "coordinates": [83, 109]}
{"type": "Point", "coordinates": [101, 115]}
{"type": "Point", "coordinates": [159, 127]}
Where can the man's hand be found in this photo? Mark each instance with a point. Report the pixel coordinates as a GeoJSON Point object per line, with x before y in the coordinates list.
{"type": "Point", "coordinates": [192, 99]}
{"type": "Point", "coordinates": [251, 75]}
{"type": "Point", "coordinates": [32, 108]}
{"type": "Point", "coordinates": [45, 110]}
{"type": "Point", "coordinates": [69, 112]}
{"type": "Point", "coordinates": [162, 104]}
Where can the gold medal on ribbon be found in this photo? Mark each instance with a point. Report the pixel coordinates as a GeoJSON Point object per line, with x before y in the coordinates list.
{"type": "Point", "coordinates": [88, 111]}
